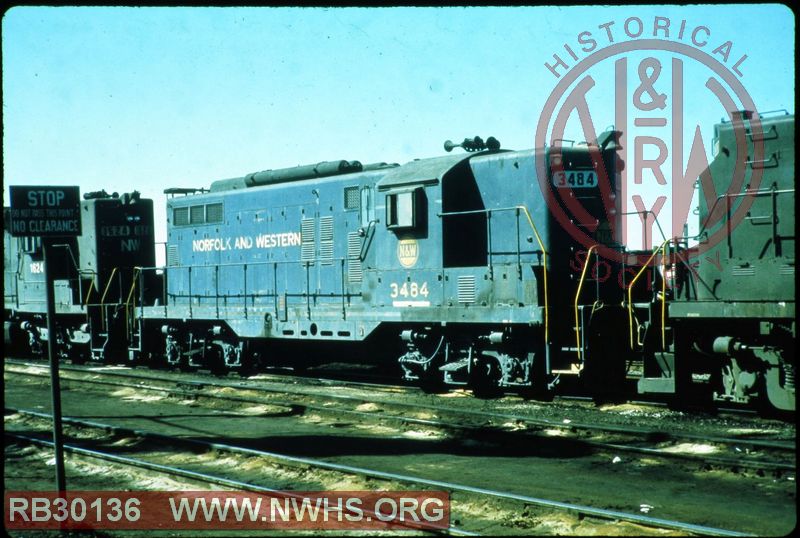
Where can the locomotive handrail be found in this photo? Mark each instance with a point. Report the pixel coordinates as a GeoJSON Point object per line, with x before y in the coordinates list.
{"type": "Point", "coordinates": [764, 162]}
{"type": "Point", "coordinates": [544, 262]}
{"type": "Point", "coordinates": [655, 219]}
{"type": "Point", "coordinates": [577, 297]}
{"type": "Point", "coordinates": [763, 192]}
{"type": "Point", "coordinates": [92, 284]}
{"type": "Point", "coordinates": [80, 272]}
{"type": "Point", "coordinates": [307, 293]}
{"type": "Point", "coordinates": [15, 294]}
{"type": "Point", "coordinates": [371, 225]}
{"type": "Point", "coordinates": [108, 284]}
{"type": "Point", "coordinates": [236, 264]}
{"type": "Point", "coordinates": [103, 297]}
{"type": "Point", "coordinates": [89, 292]}
{"type": "Point", "coordinates": [134, 276]}
{"type": "Point", "coordinates": [522, 208]}
{"type": "Point", "coordinates": [663, 249]}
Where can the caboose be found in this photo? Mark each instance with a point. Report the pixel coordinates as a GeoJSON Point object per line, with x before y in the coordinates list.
{"type": "Point", "coordinates": [93, 278]}
{"type": "Point", "coordinates": [453, 266]}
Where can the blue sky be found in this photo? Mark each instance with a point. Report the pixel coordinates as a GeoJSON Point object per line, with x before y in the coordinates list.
{"type": "Point", "coordinates": [149, 98]}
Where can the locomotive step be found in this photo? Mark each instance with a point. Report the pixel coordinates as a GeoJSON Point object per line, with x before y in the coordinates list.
{"type": "Point", "coordinates": [454, 366]}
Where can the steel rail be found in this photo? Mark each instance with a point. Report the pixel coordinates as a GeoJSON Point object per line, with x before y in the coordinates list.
{"type": "Point", "coordinates": [310, 380]}
{"type": "Point", "coordinates": [201, 477]}
{"type": "Point", "coordinates": [713, 460]}
{"type": "Point", "coordinates": [538, 422]}
{"type": "Point", "coordinates": [450, 486]}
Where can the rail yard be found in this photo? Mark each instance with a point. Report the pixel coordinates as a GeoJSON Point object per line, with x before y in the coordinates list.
{"type": "Point", "coordinates": [635, 468]}
{"type": "Point", "coordinates": [590, 336]}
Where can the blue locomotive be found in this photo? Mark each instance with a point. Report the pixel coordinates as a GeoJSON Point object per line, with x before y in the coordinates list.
{"type": "Point", "coordinates": [453, 265]}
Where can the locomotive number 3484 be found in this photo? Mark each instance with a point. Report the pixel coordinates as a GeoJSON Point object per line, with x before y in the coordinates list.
{"type": "Point", "coordinates": [408, 289]}
{"type": "Point", "coordinates": [571, 179]}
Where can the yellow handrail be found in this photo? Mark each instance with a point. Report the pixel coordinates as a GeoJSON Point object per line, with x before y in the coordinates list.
{"type": "Point", "coordinates": [103, 298]}
{"type": "Point", "coordinates": [108, 284]}
{"type": "Point", "coordinates": [577, 296]}
{"type": "Point", "coordinates": [89, 292]}
{"type": "Point", "coordinates": [544, 261]}
{"type": "Point", "coordinates": [136, 271]}
{"type": "Point", "coordinates": [662, 248]}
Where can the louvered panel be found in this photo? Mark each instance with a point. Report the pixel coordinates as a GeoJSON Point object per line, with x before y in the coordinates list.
{"type": "Point", "coordinates": [214, 213]}
{"type": "Point", "coordinates": [787, 269]}
{"type": "Point", "coordinates": [307, 240]}
{"type": "Point", "coordinates": [744, 271]}
{"type": "Point", "coordinates": [326, 252]}
{"type": "Point", "coordinates": [326, 229]}
{"type": "Point", "coordinates": [355, 271]}
{"type": "Point", "coordinates": [466, 289]}
{"type": "Point", "coordinates": [326, 240]}
{"type": "Point", "coordinates": [173, 258]}
{"type": "Point", "coordinates": [197, 214]}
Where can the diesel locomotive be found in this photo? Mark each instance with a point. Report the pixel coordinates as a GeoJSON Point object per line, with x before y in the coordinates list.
{"type": "Point", "coordinates": [93, 274]}
{"type": "Point", "coordinates": [730, 323]}
{"type": "Point", "coordinates": [455, 269]}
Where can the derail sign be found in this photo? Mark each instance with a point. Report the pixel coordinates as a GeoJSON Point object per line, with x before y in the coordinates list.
{"type": "Point", "coordinates": [45, 211]}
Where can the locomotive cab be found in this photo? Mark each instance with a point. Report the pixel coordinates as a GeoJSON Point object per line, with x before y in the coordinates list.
{"type": "Point", "coordinates": [489, 306]}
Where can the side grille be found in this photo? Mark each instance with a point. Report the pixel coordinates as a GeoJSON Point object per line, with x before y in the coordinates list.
{"type": "Point", "coordinates": [214, 213]}
{"type": "Point", "coordinates": [197, 214]}
{"type": "Point", "coordinates": [172, 255]}
{"type": "Point", "coordinates": [307, 241]}
{"type": "Point", "coordinates": [352, 199]}
{"type": "Point", "coordinates": [466, 289]}
{"type": "Point", "coordinates": [180, 216]}
{"type": "Point", "coordinates": [326, 240]}
{"type": "Point", "coordinates": [355, 271]}
{"type": "Point", "coordinates": [743, 271]}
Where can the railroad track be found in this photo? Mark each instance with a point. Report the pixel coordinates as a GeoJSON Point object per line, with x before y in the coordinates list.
{"type": "Point", "coordinates": [394, 478]}
{"type": "Point", "coordinates": [382, 383]}
{"type": "Point", "coordinates": [201, 478]}
{"type": "Point", "coordinates": [500, 428]}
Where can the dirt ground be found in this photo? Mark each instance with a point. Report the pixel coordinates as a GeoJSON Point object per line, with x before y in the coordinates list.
{"type": "Point", "coordinates": [547, 468]}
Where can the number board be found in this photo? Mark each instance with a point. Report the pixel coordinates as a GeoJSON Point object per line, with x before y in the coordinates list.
{"type": "Point", "coordinates": [575, 179]}
{"type": "Point", "coordinates": [45, 211]}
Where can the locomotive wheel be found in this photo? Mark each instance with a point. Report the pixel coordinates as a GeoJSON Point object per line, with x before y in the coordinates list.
{"type": "Point", "coordinates": [78, 354]}
{"type": "Point", "coordinates": [248, 366]}
{"type": "Point", "coordinates": [540, 393]}
{"type": "Point", "coordinates": [484, 378]}
{"type": "Point", "coordinates": [540, 389]}
{"type": "Point", "coordinates": [432, 384]}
